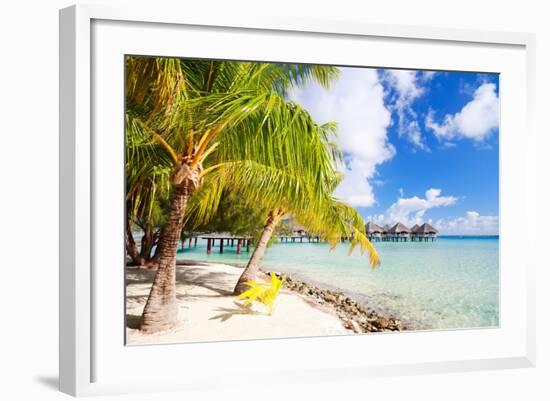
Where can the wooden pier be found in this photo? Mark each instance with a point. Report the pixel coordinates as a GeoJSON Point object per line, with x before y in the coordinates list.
{"type": "Point", "coordinates": [189, 240]}
{"type": "Point", "coordinates": [299, 238]}
{"type": "Point", "coordinates": [227, 240]}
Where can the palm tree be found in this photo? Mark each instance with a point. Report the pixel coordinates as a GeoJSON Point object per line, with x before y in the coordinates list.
{"type": "Point", "coordinates": [306, 195]}
{"type": "Point", "coordinates": [338, 220]}
{"type": "Point", "coordinates": [209, 116]}
{"type": "Point", "coordinates": [146, 199]}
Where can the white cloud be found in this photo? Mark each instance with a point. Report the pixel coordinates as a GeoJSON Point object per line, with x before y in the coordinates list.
{"type": "Point", "coordinates": [472, 223]}
{"type": "Point", "coordinates": [356, 102]}
{"type": "Point", "coordinates": [477, 119]}
{"type": "Point", "coordinates": [405, 83]}
{"type": "Point", "coordinates": [413, 133]}
{"type": "Point", "coordinates": [408, 86]}
{"type": "Point", "coordinates": [411, 211]}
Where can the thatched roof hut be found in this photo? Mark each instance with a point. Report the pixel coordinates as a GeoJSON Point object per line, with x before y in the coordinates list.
{"type": "Point", "coordinates": [414, 228]}
{"type": "Point", "coordinates": [426, 229]}
{"type": "Point", "coordinates": [386, 228]}
{"type": "Point", "coordinates": [372, 228]}
{"type": "Point", "coordinates": [399, 228]}
{"type": "Point", "coordinates": [297, 229]}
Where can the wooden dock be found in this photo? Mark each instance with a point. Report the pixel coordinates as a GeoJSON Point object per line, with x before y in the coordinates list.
{"type": "Point", "coordinates": [229, 241]}
{"type": "Point", "coordinates": [299, 238]}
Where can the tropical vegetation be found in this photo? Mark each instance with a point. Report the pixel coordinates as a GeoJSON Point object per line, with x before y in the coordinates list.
{"type": "Point", "coordinates": [197, 130]}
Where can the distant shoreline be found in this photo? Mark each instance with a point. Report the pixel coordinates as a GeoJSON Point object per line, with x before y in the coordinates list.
{"type": "Point", "coordinates": [470, 236]}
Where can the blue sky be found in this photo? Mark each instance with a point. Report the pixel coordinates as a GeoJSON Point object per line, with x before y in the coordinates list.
{"type": "Point", "coordinates": [419, 146]}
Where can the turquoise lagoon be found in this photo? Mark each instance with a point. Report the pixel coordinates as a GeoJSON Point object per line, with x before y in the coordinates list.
{"type": "Point", "coordinates": [450, 283]}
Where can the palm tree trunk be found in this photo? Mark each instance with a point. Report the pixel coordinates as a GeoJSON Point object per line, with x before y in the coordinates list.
{"type": "Point", "coordinates": [161, 310]}
{"type": "Point", "coordinates": [147, 242]}
{"type": "Point", "coordinates": [156, 254]}
{"type": "Point", "coordinates": [131, 245]}
{"type": "Point", "coordinates": [253, 265]}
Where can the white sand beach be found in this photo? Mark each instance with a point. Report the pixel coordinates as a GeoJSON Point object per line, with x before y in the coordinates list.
{"type": "Point", "coordinates": [208, 311]}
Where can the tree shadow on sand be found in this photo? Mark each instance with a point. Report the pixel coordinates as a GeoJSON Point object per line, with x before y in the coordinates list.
{"type": "Point", "coordinates": [139, 276]}
{"type": "Point", "coordinates": [218, 282]}
{"type": "Point", "coordinates": [228, 313]}
{"type": "Point", "coordinates": [212, 281]}
{"type": "Point", "coordinates": [133, 321]}
{"type": "Point", "coordinates": [186, 262]}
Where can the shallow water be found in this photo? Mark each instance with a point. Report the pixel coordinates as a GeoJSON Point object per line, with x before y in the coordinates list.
{"type": "Point", "coordinates": [452, 282]}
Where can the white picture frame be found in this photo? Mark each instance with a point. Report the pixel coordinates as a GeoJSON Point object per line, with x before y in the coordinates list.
{"type": "Point", "coordinates": [91, 363]}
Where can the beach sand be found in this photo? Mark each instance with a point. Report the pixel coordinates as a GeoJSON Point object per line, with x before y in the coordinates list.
{"type": "Point", "coordinates": [208, 311]}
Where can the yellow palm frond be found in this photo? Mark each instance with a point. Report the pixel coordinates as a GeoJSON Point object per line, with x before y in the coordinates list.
{"type": "Point", "coordinates": [263, 293]}
{"type": "Point", "coordinates": [254, 293]}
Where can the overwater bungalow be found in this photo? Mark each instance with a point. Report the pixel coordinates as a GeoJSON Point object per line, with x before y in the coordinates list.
{"type": "Point", "coordinates": [299, 233]}
{"type": "Point", "coordinates": [374, 232]}
{"type": "Point", "coordinates": [425, 232]}
{"type": "Point", "coordinates": [399, 232]}
{"type": "Point", "coordinates": [413, 232]}
{"type": "Point", "coordinates": [385, 232]}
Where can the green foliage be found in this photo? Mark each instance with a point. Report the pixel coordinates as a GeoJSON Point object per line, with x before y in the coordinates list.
{"type": "Point", "coordinates": [231, 216]}
{"type": "Point", "coordinates": [284, 228]}
{"type": "Point", "coordinates": [234, 121]}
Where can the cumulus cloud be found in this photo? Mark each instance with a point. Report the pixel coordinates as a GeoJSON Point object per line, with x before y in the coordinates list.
{"type": "Point", "coordinates": [356, 102]}
{"type": "Point", "coordinates": [477, 119]}
{"type": "Point", "coordinates": [411, 211]}
{"type": "Point", "coordinates": [472, 223]}
{"type": "Point", "coordinates": [407, 86]}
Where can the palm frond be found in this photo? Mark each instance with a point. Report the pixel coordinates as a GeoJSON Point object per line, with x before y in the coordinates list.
{"type": "Point", "coordinates": [235, 119]}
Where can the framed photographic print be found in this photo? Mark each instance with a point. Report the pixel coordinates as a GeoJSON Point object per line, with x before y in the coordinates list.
{"type": "Point", "coordinates": [294, 200]}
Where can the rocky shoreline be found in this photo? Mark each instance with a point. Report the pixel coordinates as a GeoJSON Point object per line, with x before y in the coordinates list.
{"type": "Point", "coordinates": [354, 316]}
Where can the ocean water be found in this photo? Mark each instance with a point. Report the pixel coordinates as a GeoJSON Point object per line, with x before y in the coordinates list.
{"type": "Point", "coordinates": [450, 283]}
